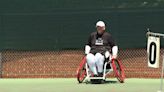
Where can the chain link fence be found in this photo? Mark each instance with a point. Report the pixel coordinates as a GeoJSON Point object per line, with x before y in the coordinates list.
{"type": "Point", "coordinates": [63, 64]}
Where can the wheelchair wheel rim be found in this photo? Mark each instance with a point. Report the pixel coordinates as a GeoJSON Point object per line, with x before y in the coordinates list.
{"type": "Point", "coordinates": [118, 70]}
{"type": "Point", "coordinates": [81, 76]}
{"type": "Point", "coordinates": [81, 72]}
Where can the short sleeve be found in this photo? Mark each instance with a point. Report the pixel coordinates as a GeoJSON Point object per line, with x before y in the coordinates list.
{"type": "Point", "coordinates": [111, 41]}
{"type": "Point", "coordinates": [89, 40]}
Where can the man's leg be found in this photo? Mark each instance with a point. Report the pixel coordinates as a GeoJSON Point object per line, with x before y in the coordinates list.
{"type": "Point", "coordinates": [99, 58]}
{"type": "Point", "coordinates": [92, 63]}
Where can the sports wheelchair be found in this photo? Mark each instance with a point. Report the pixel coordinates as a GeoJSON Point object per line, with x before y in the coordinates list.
{"type": "Point", "coordinates": [115, 65]}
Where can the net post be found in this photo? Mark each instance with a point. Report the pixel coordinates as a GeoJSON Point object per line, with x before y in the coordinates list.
{"type": "Point", "coordinates": [0, 64]}
{"type": "Point", "coordinates": [161, 85]}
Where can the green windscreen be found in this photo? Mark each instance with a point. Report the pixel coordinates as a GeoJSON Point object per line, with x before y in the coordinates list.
{"type": "Point", "coordinates": [66, 24]}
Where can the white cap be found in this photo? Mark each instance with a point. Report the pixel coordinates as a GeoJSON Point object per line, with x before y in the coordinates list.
{"type": "Point", "coordinates": [100, 23]}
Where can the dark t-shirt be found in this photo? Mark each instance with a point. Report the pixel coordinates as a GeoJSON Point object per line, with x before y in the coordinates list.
{"type": "Point", "coordinates": [100, 43]}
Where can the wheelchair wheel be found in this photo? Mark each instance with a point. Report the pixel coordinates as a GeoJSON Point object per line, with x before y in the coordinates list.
{"type": "Point", "coordinates": [118, 70]}
{"type": "Point", "coordinates": [81, 71]}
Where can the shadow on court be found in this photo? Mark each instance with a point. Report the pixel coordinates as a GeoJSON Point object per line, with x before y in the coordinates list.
{"type": "Point", "coordinates": [103, 82]}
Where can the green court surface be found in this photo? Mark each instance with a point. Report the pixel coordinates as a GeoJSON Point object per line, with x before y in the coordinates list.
{"type": "Point", "coordinates": [71, 85]}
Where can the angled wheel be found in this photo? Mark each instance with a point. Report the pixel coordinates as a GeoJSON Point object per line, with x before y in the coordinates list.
{"type": "Point", "coordinates": [81, 71]}
{"type": "Point", "coordinates": [118, 70]}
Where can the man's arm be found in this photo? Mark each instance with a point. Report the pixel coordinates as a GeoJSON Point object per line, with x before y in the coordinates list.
{"type": "Point", "coordinates": [113, 46]}
{"type": "Point", "coordinates": [88, 45]}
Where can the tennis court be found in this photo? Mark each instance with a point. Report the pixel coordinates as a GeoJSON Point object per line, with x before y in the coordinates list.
{"type": "Point", "coordinates": [71, 85]}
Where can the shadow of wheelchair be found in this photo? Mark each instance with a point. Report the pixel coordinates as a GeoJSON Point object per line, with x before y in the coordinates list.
{"type": "Point", "coordinates": [103, 82]}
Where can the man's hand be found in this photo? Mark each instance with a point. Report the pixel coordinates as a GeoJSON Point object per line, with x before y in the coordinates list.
{"type": "Point", "coordinates": [87, 49]}
{"type": "Point", "coordinates": [114, 52]}
{"type": "Point", "coordinates": [114, 57]}
{"type": "Point", "coordinates": [107, 54]}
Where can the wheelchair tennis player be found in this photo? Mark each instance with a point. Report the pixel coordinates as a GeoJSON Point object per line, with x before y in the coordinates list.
{"type": "Point", "coordinates": [100, 46]}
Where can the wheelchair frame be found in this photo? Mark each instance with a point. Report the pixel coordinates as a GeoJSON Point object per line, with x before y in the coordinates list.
{"type": "Point", "coordinates": [84, 73]}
